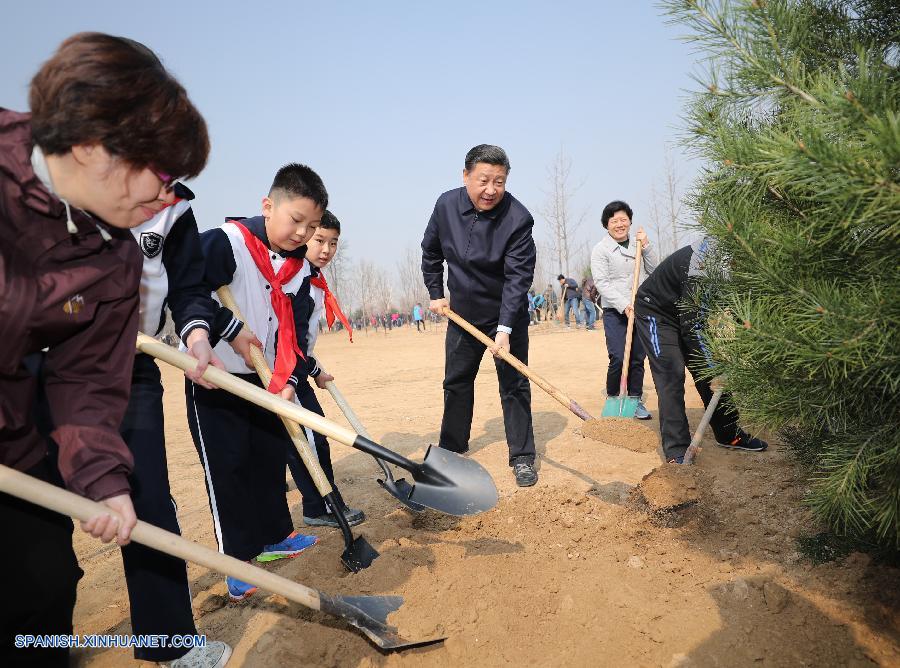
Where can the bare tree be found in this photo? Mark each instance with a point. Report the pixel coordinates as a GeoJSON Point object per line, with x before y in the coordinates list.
{"type": "Point", "coordinates": [337, 273]}
{"type": "Point", "coordinates": [556, 211]}
{"type": "Point", "coordinates": [410, 286]}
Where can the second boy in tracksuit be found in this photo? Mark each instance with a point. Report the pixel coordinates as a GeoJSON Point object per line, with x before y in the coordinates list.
{"type": "Point", "coordinates": [243, 448]}
{"type": "Point", "coordinates": [670, 332]}
{"type": "Point", "coordinates": [320, 251]}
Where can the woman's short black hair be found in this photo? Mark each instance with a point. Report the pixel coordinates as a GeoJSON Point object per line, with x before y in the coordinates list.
{"type": "Point", "coordinates": [612, 209]}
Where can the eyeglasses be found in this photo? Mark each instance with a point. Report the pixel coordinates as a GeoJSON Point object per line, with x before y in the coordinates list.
{"type": "Point", "coordinates": [168, 182]}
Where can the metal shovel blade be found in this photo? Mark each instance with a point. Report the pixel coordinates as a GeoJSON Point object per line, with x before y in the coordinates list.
{"type": "Point", "coordinates": [444, 481]}
{"type": "Point", "coordinates": [401, 490]}
{"type": "Point", "coordinates": [620, 407]}
{"type": "Point", "coordinates": [452, 484]}
{"type": "Point", "coordinates": [369, 614]}
{"type": "Point", "coordinates": [359, 555]}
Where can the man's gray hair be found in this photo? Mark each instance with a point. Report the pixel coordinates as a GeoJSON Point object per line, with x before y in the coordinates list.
{"type": "Point", "coordinates": [491, 155]}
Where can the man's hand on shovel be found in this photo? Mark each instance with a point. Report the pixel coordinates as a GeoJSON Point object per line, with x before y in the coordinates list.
{"type": "Point", "coordinates": [501, 341]}
{"type": "Point", "coordinates": [106, 526]}
{"type": "Point", "coordinates": [439, 305]}
{"type": "Point", "coordinates": [198, 347]}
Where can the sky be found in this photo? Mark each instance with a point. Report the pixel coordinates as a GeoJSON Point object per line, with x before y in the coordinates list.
{"type": "Point", "coordinates": [384, 99]}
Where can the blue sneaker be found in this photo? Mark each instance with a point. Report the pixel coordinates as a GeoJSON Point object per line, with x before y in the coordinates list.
{"type": "Point", "coordinates": [676, 460]}
{"type": "Point", "coordinates": [289, 548]}
{"type": "Point", "coordinates": [238, 590]}
{"type": "Point", "coordinates": [641, 412]}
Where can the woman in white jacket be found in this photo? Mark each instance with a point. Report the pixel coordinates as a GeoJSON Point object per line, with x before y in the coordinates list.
{"type": "Point", "coordinates": [612, 266]}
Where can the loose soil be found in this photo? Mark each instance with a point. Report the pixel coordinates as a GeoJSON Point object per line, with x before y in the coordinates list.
{"type": "Point", "coordinates": [571, 572]}
{"type": "Point", "coordinates": [672, 487]}
{"type": "Point", "coordinates": [625, 433]}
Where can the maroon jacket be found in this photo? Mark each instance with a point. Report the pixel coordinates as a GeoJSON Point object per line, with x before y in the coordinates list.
{"type": "Point", "coordinates": [77, 296]}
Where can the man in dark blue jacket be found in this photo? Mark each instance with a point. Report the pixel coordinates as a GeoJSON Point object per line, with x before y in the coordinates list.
{"type": "Point", "coordinates": [484, 234]}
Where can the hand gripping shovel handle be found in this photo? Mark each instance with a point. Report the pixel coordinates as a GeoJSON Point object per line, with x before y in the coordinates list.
{"type": "Point", "coordinates": [265, 375]}
{"type": "Point", "coordinates": [514, 362]}
{"type": "Point", "coordinates": [694, 447]}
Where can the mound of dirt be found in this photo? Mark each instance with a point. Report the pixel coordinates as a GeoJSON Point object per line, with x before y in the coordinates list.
{"type": "Point", "coordinates": [672, 486]}
{"type": "Point", "coordinates": [622, 432]}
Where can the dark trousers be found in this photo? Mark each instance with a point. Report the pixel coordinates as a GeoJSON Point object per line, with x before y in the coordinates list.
{"type": "Point", "coordinates": [420, 325]}
{"type": "Point", "coordinates": [243, 450]}
{"type": "Point", "coordinates": [313, 502]}
{"type": "Point", "coordinates": [463, 355]}
{"type": "Point", "coordinates": [158, 589]}
{"type": "Point", "coordinates": [615, 326]}
{"type": "Point", "coordinates": [672, 345]}
{"type": "Point", "coordinates": [42, 575]}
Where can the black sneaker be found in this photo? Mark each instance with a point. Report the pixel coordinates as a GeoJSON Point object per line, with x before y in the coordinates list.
{"type": "Point", "coordinates": [525, 474]}
{"type": "Point", "coordinates": [354, 517]}
{"type": "Point", "coordinates": [745, 442]}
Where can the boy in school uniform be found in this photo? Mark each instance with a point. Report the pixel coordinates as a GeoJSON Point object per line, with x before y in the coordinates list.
{"type": "Point", "coordinates": [321, 248]}
{"type": "Point", "coordinates": [172, 275]}
{"type": "Point", "coordinates": [242, 447]}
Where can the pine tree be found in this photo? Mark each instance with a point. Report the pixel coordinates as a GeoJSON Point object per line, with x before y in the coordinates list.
{"type": "Point", "coordinates": [798, 122]}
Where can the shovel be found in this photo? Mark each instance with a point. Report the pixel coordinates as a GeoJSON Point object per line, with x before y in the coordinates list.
{"type": "Point", "coordinates": [694, 448]}
{"type": "Point", "coordinates": [358, 552]}
{"type": "Point", "coordinates": [367, 613]}
{"type": "Point", "coordinates": [517, 364]}
{"type": "Point", "coordinates": [623, 405]}
{"type": "Point", "coordinates": [444, 481]}
{"type": "Point", "coordinates": [399, 489]}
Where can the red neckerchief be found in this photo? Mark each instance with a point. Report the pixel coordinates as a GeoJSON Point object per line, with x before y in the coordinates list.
{"type": "Point", "coordinates": [287, 349]}
{"type": "Point", "coordinates": [331, 305]}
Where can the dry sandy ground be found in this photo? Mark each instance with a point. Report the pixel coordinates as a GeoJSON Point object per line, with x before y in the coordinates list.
{"type": "Point", "coordinates": [572, 572]}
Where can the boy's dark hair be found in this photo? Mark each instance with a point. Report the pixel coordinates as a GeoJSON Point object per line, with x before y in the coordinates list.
{"type": "Point", "coordinates": [295, 180]}
{"type": "Point", "coordinates": [486, 153]}
{"type": "Point", "coordinates": [330, 222]}
{"type": "Point", "coordinates": [612, 209]}
{"type": "Point", "coordinates": [113, 91]}
{"type": "Point", "coordinates": [560, 278]}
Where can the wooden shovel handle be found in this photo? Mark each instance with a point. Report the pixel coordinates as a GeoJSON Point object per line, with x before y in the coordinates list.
{"type": "Point", "coordinates": [629, 333]}
{"type": "Point", "coordinates": [244, 390]}
{"type": "Point", "coordinates": [346, 410]}
{"type": "Point", "coordinates": [517, 364]}
{"type": "Point", "coordinates": [265, 375]}
{"type": "Point", "coordinates": [49, 496]}
{"type": "Point", "coordinates": [694, 447]}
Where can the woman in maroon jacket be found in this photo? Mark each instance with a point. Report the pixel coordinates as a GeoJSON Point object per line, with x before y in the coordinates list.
{"type": "Point", "coordinates": [109, 131]}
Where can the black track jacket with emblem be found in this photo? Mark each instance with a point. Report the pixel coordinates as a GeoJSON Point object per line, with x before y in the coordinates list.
{"type": "Point", "coordinates": [173, 273]}
{"type": "Point", "coordinates": [77, 296]}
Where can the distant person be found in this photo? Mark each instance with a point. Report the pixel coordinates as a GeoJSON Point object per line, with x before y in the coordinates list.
{"type": "Point", "coordinates": [670, 329]}
{"type": "Point", "coordinates": [570, 295]}
{"type": "Point", "coordinates": [417, 317]}
{"type": "Point", "coordinates": [589, 296]}
{"type": "Point", "coordinates": [532, 319]}
{"type": "Point", "coordinates": [539, 304]}
{"type": "Point", "coordinates": [612, 265]}
{"type": "Point", "coordinates": [484, 234]}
